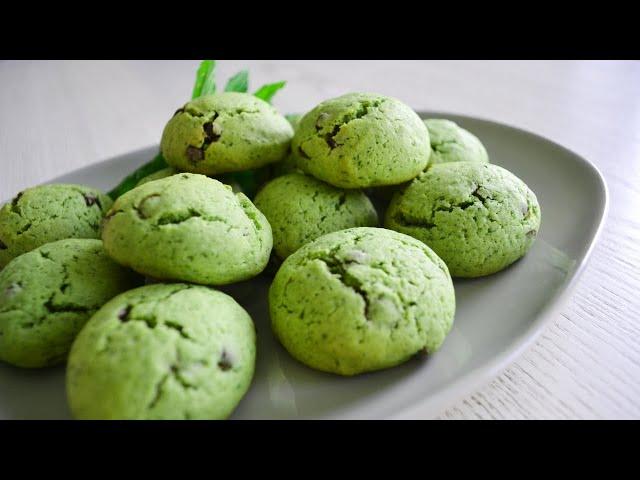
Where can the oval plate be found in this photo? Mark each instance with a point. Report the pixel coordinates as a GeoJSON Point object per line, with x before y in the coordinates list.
{"type": "Point", "coordinates": [497, 316]}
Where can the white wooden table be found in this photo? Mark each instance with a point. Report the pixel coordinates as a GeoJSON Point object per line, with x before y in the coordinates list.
{"type": "Point", "coordinates": [57, 116]}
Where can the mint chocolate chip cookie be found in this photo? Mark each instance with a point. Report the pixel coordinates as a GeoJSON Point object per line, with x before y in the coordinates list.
{"type": "Point", "coordinates": [452, 143]}
{"type": "Point", "coordinates": [225, 132]}
{"type": "Point", "coordinates": [300, 208]}
{"type": "Point", "coordinates": [165, 351]}
{"type": "Point", "coordinates": [49, 293]}
{"type": "Point", "coordinates": [479, 218]}
{"type": "Point", "coordinates": [188, 227]}
{"type": "Point", "coordinates": [48, 213]}
{"type": "Point", "coordinates": [361, 299]}
{"type": "Point", "coordinates": [362, 140]}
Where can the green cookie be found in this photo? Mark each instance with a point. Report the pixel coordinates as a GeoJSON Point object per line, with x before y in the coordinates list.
{"type": "Point", "coordinates": [478, 217]}
{"type": "Point", "coordinates": [48, 294]}
{"type": "Point", "coordinates": [288, 165]}
{"type": "Point", "coordinates": [164, 173]}
{"type": "Point", "coordinates": [361, 299]}
{"type": "Point", "coordinates": [225, 132]}
{"type": "Point", "coordinates": [48, 213]}
{"type": "Point", "coordinates": [452, 143]}
{"type": "Point", "coordinates": [362, 140]}
{"type": "Point", "coordinates": [300, 208]}
{"type": "Point", "coordinates": [165, 351]}
{"type": "Point", "coordinates": [188, 227]}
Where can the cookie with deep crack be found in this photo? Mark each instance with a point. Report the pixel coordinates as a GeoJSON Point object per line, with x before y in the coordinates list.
{"type": "Point", "coordinates": [188, 227]}
{"type": "Point", "coordinates": [225, 132]}
{"type": "Point", "coordinates": [165, 351]}
{"type": "Point", "coordinates": [362, 140]}
{"type": "Point", "coordinates": [47, 213]}
{"type": "Point", "coordinates": [360, 300]}
{"type": "Point", "coordinates": [301, 208]}
{"type": "Point", "coordinates": [49, 293]}
{"type": "Point", "coordinates": [478, 217]}
{"type": "Point", "coordinates": [452, 143]}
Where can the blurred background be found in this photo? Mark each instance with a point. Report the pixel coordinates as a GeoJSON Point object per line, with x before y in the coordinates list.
{"type": "Point", "coordinates": [87, 111]}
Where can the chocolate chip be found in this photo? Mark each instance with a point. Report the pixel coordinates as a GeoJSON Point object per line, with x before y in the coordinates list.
{"type": "Point", "coordinates": [329, 137]}
{"type": "Point", "coordinates": [225, 361]}
{"type": "Point", "coordinates": [2, 245]}
{"type": "Point", "coordinates": [123, 314]}
{"type": "Point", "coordinates": [531, 233]}
{"type": "Point", "coordinates": [180, 110]}
{"type": "Point", "coordinates": [16, 199]}
{"type": "Point", "coordinates": [525, 210]}
{"type": "Point", "coordinates": [195, 154]}
{"type": "Point", "coordinates": [90, 200]}
{"type": "Point", "coordinates": [213, 132]}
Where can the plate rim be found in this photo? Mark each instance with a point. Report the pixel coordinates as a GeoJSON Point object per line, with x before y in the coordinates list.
{"type": "Point", "coordinates": [480, 376]}
{"type": "Point", "coordinates": [483, 374]}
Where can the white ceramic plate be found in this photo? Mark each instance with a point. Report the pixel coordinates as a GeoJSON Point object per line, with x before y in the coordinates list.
{"type": "Point", "coordinates": [497, 317]}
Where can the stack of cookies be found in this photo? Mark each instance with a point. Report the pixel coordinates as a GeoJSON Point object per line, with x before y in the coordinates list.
{"type": "Point", "coordinates": [366, 213]}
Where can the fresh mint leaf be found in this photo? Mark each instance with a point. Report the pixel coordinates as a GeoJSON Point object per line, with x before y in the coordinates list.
{"type": "Point", "coordinates": [238, 83]}
{"type": "Point", "coordinates": [205, 79]}
{"type": "Point", "coordinates": [266, 92]}
{"type": "Point", "coordinates": [158, 163]}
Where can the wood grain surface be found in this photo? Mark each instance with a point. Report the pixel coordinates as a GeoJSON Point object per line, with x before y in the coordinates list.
{"type": "Point", "coordinates": [56, 116]}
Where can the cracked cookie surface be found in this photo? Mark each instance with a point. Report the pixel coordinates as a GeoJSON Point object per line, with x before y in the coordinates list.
{"type": "Point", "coordinates": [188, 227]}
{"type": "Point", "coordinates": [300, 208]}
{"type": "Point", "coordinates": [360, 300]}
{"type": "Point", "coordinates": [479, 218]}
{"type": "Point", "coordinates": [452, 143]}
{"type": "Point", "coordinates": [361, 140]}
{"type": "Point", "coordinates": [164, 351]}
{"type": "Point", "coordinates": [49, 293]}
{"type": "Point", "coordinates": [47, 213]}
{"type": "Point", "coordinates": [225, 132]}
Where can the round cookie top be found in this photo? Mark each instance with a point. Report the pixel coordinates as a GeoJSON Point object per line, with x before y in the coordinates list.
{"type": "Point", "coordinates": [452, 143]}
{"type": "Point", "coordinates": [361, 299]}
{"type": "Point", "coordinates": [48, 294]}
{"type": "Point", "coordinates": [478, 217]}
{"type": "Point", "coordinates": [47, 213]}
{"type": "Point", "coordinates": [188, 227]}
{"type": "Point", "coordinates": [225, 132]}
{"type": "Point", "coordinates": [362, 140]}
{"type": "Point", "coordinates": [164, 351]}
{"type": "Point", "coordinates": [300, 208]}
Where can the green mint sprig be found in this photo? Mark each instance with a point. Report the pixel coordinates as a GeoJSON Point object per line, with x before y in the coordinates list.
{"type": "Point", "coordinates": [205, 84]}
{"type": "Point", "coordinates": [266, 92]}
{"type": "Point", "coordinates": [205, 79]}
{"type": "Point", "coordinates": [238, 83]}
